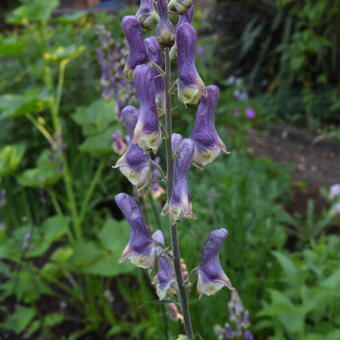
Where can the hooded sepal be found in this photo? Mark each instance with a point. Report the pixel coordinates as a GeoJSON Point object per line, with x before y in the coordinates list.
{"type": "Point", "coordinates": [190, 85]}
{"type": "Point", "coordinates": [147, 133]}
{"type": "Point", "coordinates": [154, 52]}
{"type": "Point", "coordinates": [180, 201]}
{"type": "Point", "coordinates": [165, 28]}
{"type": "Point", "coordinates": [180, 6]}
{"type": "Point", "coordinates": [147, 14]}
{"type": "Point", "coordinates": [140, 249]}
{"type": "Point", "coordinates": [211, 277]}
{"type": "Point", "coordinates": [165, 278]}
{"type": "Point", "coordinates": [137, 54]}
{"type": "Point", "coordinates": [135, 165]}
{"type": "Point", "coordinates": [208, 144]}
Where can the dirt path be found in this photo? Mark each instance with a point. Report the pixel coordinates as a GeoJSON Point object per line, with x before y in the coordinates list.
{"type": "Point", "coordinates": [315, 160]}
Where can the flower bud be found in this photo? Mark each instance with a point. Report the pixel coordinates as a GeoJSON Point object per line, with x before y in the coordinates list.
{"type": "Point", "coordinates": [211, 276]}
{"type": "Point", "coordinates": [165, 278]}
{"type": "Point", "coordinates": [180, 6]}
{"type": "Point", "coordinates": [154, 53]}
{"type": "Point", "coordinates": [118, 145]}
{"type": "Point", "coordinates": [208, 144]}
{"type": "Point", "coordinates": [140, 249]}
{"type": "Point", "coordinates": [180, 200]}
{"type": "Point", "coordinates": [165, 29]}
{"type": "Point", "coordinates": [190, 85]}
{"type": "Point", "coordinates": [146, 14]}
{"type": "Point", "coordinates": [135, 165]}
{"type": "Point", "coordinates": [137, 54]}
{"type": "Point", "coordinates": [147, 133]}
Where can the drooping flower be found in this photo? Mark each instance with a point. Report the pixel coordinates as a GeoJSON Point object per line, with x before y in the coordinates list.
{"type": "Point", "coordinates": [140, 249]}
{"type": "Point", "coordinates": [334, 191]}
{"type": "Point", "coordinates": [146, 14]}
{"type": "Point", "coordinates": [137, 54]}
{"type": "Point", "coordinates": [190, 85]}
{"type": "Point", "coordinates": [165, 29]}
{"type": "Point", "coordinates": [179, 203]}
{"type": "Point", "coordinates": [165, 278]}
{"type": "Point", "coordinates": [135, 165]}
{"type": "Point", "coordinates": [208, 144]}
{"type": "Point", "coordinates": [154, 52]}
{"type": "Point", "coordinates": [180, 6]}
{"type": "Point", "coordinates": [147, 133]}
{"type": "Point", "coordinates": [211, 276]}
{"type": "Point", "coordinates": [118, 145]}
{"type": "Point", "coordinates": [250, 113]}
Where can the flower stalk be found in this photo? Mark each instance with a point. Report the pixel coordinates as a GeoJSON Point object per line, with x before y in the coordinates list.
{"type": "Point", "coordinates": [169, 184]}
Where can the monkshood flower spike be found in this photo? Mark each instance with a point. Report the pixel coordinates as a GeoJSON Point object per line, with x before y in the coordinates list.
{"type": "Point", "coordinates": [208, 144]}
{"type": "Point", "coordinates": [165, 278]}
{"type": "Point", "coordinates": [147, 14]}
{"type": "Point", "coordinates": [147, 133]}
{"type": "Point", "coordinates": [165, 28]}
{"type": "Point", "coordinates": [140, 249]}
{"type": "Point", "coordinates": [190, 85]}
{"type": "Point", "coordinates": [180, 201]}
{"type": "Point", "coordinates": [135, 165]}
{"type": "Point", "coordinates": [211, 277]}
{"type": "Point", "coordinates": [180, 6]}
{"type": "Point", "coordinates": [137, 54]}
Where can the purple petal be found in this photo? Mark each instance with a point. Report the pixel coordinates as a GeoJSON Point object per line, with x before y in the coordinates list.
{"type": "Point", "coordinates": [146, 14]}
{"type": "Point", "coordinates": [165, 28]}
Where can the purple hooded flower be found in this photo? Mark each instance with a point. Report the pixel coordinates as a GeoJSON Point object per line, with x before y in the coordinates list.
{"type": "Point", "coordinates": [208, 144]}
{"type": "Point", "coordinates": [154, 52]}
{"type": "Point", "coordinates": [140, 249]}
{"type": "Point", "coordinates": [134, 37]}
{"type": "Point", "coordinates": [165, 29]}
{"type": "Point", "coordinates": [180, 200]}
{"type": "Point", "coordinates": [180, 6]}
{"type": "Point", "coordinates": [248, 335]}
{"type": "Point", "coordinates": [190, 85]}
{"type": "Point", "coordinates": [250, 113]}
{"type": "Point", "coordinates": [135, 165]}
{"type": "Point", "coordinates": [147, 133]}
{"type": "Point", "coordinates": [146, 14]}
{"type": "Point", "coordinates": [211, 276]}
{"type": "Point", "coordinates": [186, 17]}
{"type": "Point", "coordinates": [165, 278]}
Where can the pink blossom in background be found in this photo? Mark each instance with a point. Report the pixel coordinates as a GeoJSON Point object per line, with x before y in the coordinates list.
{"type": "Point", "coordinates": [250, 113]}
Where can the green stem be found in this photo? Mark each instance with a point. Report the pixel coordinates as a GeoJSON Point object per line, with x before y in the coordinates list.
{"type": "Point", "coordinates": [169, 183]}
{"type": "Point", "coordinates": [85, 203]}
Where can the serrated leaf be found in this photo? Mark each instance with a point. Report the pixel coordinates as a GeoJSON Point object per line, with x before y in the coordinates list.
{"type": "Point", "coordinates": [19, 319]}
{"type": "Point", "coordinates": [12, 106]}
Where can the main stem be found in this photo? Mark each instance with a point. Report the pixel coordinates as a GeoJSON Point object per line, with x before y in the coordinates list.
{"type": "Point", "coordinates": [169, 181]}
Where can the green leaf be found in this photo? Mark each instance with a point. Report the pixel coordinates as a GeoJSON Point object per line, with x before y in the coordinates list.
{"type": "Point", "coordinates": [10, 158]}
{"type": "Point", "coordinates": [69, 19]}
{"type": "Point", "coordinates": [61, 255]}
{"type": "Point", "coordinates": [288, 267]}
{"type": "Point", "coordinates": [19, 105]}
{"type": "Point", "coordinates": [62, 53]}
{"type": "Point", "coordinates": [332, 281]}
{"type": "Point", "coordinates": [12, 46]}
{"type": "Point", "coordinates": [20, 319]}
{"type": "Point", "coordinates": [96, 117]}
{"type": "Point", "coordinates": [33, 10]}
{"type": "Point", "coordinates": [102, 259]}
{"type": "Point", "coordinates": [53, 319]}
{"type": "Point", "coordinates": [99, 144]}
{"type": "Point", "coordinates": [52, 230]}
{"type": "Point", "coordinates": [45, 174]}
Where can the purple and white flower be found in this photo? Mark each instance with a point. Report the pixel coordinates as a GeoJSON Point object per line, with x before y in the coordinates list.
{"type": "Point", "coordinates": [211, 277]}
{"type": "Point", "coordinates": [208, 144]}
{"type": "Point", "coordinates": [147, 14]}
{"type": "Point", "coordinates": [165, 29]}
{"type": "Point", "coordinates": [140, 249]}
{"type": "Point", "coordinates": [180, 6]}
{"type": "Point", "coordinates": [190, 85]}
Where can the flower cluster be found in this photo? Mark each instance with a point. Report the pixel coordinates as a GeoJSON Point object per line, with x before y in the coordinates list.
{"type": "Point", "coordinates": [147, 65]}
{"type": "Point", "coordinates": [238, 325]}
{"type": "Point", "coordinates": [111, 56]}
